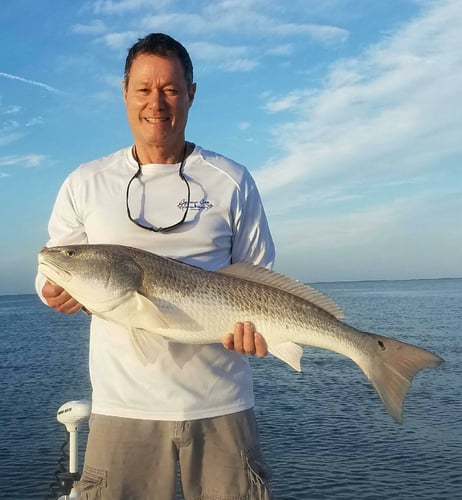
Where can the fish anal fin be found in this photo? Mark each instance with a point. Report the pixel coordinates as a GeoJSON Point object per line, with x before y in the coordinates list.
{"type": "Point", "coordinates": [289, 352]}
{"type": "Point", "coordinates": [264, 276]}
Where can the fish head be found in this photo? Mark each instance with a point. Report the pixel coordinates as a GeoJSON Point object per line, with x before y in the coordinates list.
{"type": "Point", "coordinates": [99, 277]}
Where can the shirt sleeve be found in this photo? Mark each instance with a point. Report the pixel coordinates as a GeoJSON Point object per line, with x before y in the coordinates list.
{"type": "Point", "coordinates": [252, 241]}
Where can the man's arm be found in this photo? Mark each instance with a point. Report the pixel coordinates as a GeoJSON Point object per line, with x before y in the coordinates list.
{"type": "Point", "coordinates": [64, 228]}
{"type": "Point", "coordinates": [252, 243]}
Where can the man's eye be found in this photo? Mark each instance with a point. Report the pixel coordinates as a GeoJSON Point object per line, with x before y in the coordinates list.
{"type": "Point", "coordinates": [171, 91]}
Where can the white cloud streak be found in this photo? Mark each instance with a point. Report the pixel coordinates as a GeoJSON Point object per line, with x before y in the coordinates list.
{"type": "Point", "coordinates": [25, 161]}
{"type": "Point", "coordinates": [9, 138]}
{"type": "Point", "coordinates": [119, 41]}
{"type": "Point", "coordinates": [94, 27]}
{"type": "Point", "coordinates": [227, 58]}
{"type": "Point", "coordinates": [29, 82]}
{"type": "Point", "coordinates": [11, 110]}
{"type": "Point", "coordinates": [242, 17]}
{"type": "Point", "coordinates": [112, 7]}
{"type": "Point", "coordinates": [36, 120]}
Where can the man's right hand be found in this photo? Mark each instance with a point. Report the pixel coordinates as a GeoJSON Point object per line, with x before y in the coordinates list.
{"type": "Point", "coordinates": [59, 300]}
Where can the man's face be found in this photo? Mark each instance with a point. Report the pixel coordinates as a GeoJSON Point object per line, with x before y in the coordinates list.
{"type": "Point", "coordinates": [157, 100]}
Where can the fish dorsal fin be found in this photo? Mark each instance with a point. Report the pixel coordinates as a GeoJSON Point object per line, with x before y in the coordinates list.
{"type": "Point", "coordinates": [264, 276]}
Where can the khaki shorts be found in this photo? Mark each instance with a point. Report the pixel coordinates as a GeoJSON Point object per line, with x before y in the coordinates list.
{"type": "Point", "coordinates": [129, 459]}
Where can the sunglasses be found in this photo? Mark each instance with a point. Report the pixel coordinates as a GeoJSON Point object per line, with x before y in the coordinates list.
{"type": "Point", "coordinates": [158, 229]}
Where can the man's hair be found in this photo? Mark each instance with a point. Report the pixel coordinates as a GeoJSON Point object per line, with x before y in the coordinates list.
{"type": "Point", "coordinates": [159, 44]}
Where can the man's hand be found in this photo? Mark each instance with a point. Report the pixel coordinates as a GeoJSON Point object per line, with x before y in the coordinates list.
{"type": "Point", "coordinates": [245, 340]}
{"type": "Point", "coordinates": [59, 300]}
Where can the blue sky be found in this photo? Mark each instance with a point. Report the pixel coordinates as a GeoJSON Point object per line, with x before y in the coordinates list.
{"type": "Point", "coordinates": [347, 112]}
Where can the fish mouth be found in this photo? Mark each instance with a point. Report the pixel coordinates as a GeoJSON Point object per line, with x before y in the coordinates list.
{"type": "Point", "coordinates": [53, 271]}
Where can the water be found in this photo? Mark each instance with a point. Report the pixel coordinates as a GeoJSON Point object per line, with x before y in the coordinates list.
{"type": "Point", "coordinates": [327, 435]}
{"type": "Point", "coordinates": [324, 431]}
{"type": "Point", "coordinates": [43, 364]}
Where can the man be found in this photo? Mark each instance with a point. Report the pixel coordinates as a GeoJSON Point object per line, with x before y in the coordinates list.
{"type": "Point", "coordinates": [194, 405]}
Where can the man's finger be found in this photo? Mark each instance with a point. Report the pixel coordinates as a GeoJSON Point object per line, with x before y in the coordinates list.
{"type": "Point", "coordinates": [261, 348]}
{"type": "Point", "coordinates": [228, 341]}
{"type": "Point", "coordinates": [248, 341]}
{"type": "Point", "coordinates": [239, 337]}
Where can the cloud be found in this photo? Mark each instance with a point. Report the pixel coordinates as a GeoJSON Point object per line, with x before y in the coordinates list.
{"type": "Point", "coordinates": [281, 50]}
{"type": "Point", "coordinates": [258, 18]}
{"type": "Point", "coordinates": [111, 7]}
{"type": "Point", "coordinates": [9, 125]}
{"type": "Point", "coordinates": [36, 120]}
{"type": "Point", "coordinates": [9, 132]}
{"type": "Point", "coordinates": [119, 41]}
{"type": "Point", "coordinates": [11, 110]}
{"type": "Point", "coordinates": [25, 161]}
{"type": "Point", "coordinates": [382, 115]}
{"type": "Point", "coordinates": [321, 33]}
{"type": "Point", "coordinates": [288, 102]}
{"type": "Point", "coordinates": [9, 138]}
{"type": "Point", "coordinates": [248, 20]}
{"type": "Point", "coordinates": [227, 58]}
{"type": "Point", "coordinates": [191, 23]}
{"type": "Point", "coordinates": [29, 82]}
{"type": "Point", "coordinates": [241, 17]}
{"type": "Point", "coordinates": [94, 27]}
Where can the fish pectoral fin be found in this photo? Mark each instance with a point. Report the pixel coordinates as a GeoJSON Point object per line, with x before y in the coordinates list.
{"type": "Point", "coordinates": [149, 316]}
{"type": "Point", "coordinates": [289, 352]}
{"type": "Point", "coordinates": [136, 311]}
{"type": "Point", "coordinates": [146, 344]}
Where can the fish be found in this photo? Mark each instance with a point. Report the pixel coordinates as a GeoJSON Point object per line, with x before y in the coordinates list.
{"type": "Point", "coordinates": [157, 298]}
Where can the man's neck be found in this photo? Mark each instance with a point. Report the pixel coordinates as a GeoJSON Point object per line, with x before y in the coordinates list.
{"type": "Point", "coordinates": [160, 155]}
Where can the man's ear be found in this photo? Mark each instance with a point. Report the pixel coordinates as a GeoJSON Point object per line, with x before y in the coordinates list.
{"type": "Point", "coordinates": [124, 89]}
{"type": "Point", "coordinates": [192, 93]}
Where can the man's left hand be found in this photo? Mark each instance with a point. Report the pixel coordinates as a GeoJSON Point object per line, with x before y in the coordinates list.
{"type": "Point", "coordinates": [245, 340]}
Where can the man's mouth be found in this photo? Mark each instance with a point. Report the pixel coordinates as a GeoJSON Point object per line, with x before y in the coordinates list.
{"type": "Point", "coordinates": [156, 119]}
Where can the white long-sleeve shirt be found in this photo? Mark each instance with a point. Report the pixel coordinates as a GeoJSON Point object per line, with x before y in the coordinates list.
{"type": "Point", "coordinates": [225, 223]}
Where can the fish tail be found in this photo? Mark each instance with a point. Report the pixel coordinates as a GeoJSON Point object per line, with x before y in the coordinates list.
{"type": "Point", "coordinates": [391, 369]}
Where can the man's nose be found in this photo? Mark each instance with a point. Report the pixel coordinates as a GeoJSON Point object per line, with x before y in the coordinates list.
{"type": "Point", "coordinates": [156, 100]}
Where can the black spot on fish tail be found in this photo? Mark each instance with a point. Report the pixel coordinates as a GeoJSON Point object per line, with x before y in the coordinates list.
{"type": "Point", "coordinates": [382, 345]}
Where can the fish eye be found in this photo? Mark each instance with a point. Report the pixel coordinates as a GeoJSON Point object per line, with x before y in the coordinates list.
{"type": "Point", "coordinates": [70, 253]}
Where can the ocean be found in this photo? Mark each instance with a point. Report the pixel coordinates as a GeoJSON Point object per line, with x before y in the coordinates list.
{"type": "Point", "coordinates": [324, 431]}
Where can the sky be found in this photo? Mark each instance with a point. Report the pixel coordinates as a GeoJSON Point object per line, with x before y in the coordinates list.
{"type": "Point", "coordinates": [346, 112]}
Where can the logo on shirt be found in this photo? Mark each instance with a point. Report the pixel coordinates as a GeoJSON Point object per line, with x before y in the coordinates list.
{"type": "Point", "coordinates": [195, 205]}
